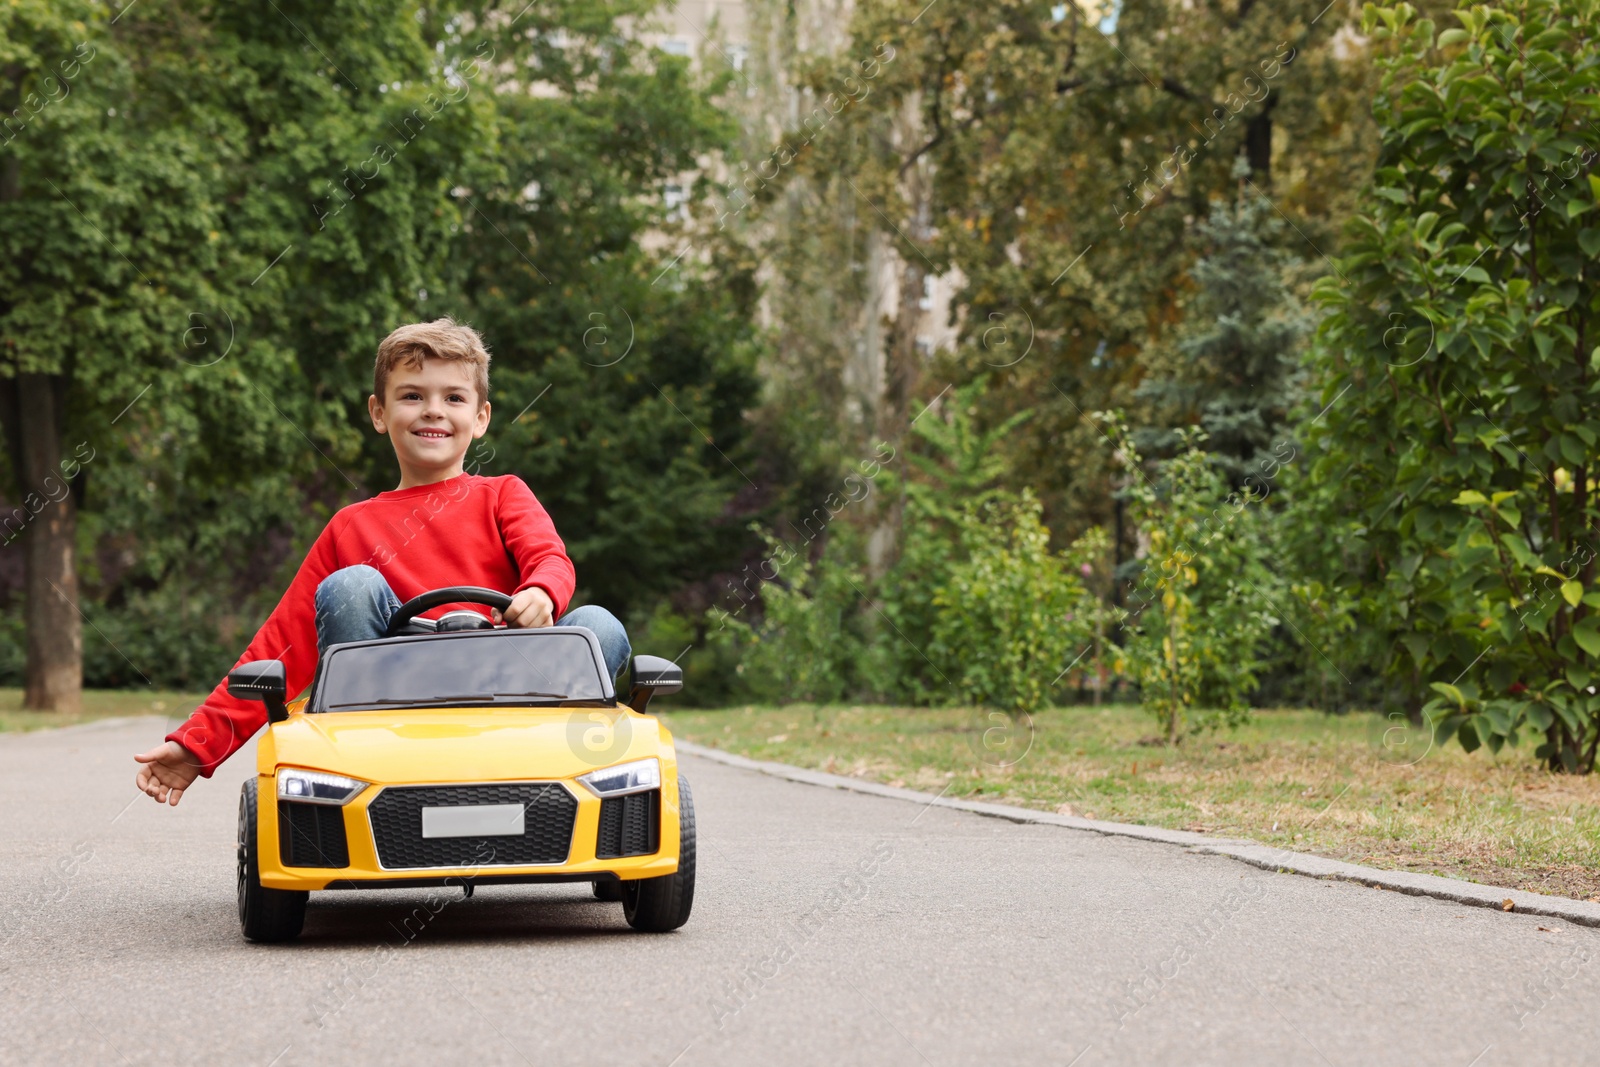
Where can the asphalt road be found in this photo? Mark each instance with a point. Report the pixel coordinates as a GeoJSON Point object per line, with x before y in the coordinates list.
{"type": "Point", "coordinates": [829, 928]}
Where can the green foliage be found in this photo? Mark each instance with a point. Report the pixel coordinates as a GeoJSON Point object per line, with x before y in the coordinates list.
{"type": "Point", "coordinates": [207, 236]}
{"type": "Point", "coordinates": [709, 654]}
{"type": "Point", "coordinates": [978, 608]}
{"type": "Point", "coordinates": [1063, 171]}
{"type": "Point", "coordinates": [169, 263]}
{"type": "Point", "coordinates": [995, 617]}
{"type": "Point", "coordinates": [1205, 601]}
{"type": "Point", "coordinates": [162, 637]}
{"type": "Point", "coordinates": [958, 468]}
{"type": "Point", "coordinates": [963, 463]}
{"type": "Point", "coordinates": [625, 376]}
{"type": "Point", "coordinates": [1462, 382]}
{"type": "Point", "coordinates": [1011, 614]}
{"type": "Point", "coordinates": [1231, 365]}
{"type": "Point", "coordinates": [899, 666]}
{"type": "Point", "coordinates": [808, 645]}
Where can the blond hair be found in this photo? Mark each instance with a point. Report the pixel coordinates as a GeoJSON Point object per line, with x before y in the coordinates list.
{"type": "Point", "coordinates": [444, 339]}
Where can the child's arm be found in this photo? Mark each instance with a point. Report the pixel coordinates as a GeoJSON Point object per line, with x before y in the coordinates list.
{"type": "Point", "coordinates": [547, 579]}
{"type": "Point", "coordinates": [222, 724]}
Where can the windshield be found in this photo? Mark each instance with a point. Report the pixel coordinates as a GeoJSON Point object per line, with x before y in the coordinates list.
{"type": "Point", "coordinates": [478, 668]}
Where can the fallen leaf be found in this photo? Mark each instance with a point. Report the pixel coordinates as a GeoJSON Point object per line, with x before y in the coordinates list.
{"type": "Point", "coordinates": [777, 739]}
{"type": "Point", "coordinates": [1508, 905]}
{"type": "Point", "coordinates": [1065, 809]}
{"type": "Point", "coordinates": [1547, 930]}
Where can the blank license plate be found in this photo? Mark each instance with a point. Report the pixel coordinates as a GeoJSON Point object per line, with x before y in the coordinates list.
{"type": "Point", "coordinates": [475, 820]}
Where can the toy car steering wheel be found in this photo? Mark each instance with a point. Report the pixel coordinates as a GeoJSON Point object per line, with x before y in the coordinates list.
{"type": "Point", "coordinates": [454, 594]}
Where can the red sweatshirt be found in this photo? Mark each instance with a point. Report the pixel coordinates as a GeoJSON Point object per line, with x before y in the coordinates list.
{"type": "Point", "coordinates": [467, 530]}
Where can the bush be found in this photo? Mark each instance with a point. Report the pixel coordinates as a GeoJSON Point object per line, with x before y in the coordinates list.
{"type": "Point", "coordinates": [808, 645]}
{"type": "Point", "coordinates": [1457, 371]}
{"type": "Point", "coordinates": [1011, 615]}
{"type": "Point", "coordinates": [958, 473]}
{"type": "Point", "coordinates": [712, 675]}
{"type": "Point", "coordinates": [168, 638]}
{"type": "Point", "coordinates": [1205, 600]}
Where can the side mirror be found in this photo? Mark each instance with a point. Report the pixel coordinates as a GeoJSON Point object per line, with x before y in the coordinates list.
{"type": "Point", "coordinates": [652, 675]}
{"type": "Point", "coordinates": [263, 680]}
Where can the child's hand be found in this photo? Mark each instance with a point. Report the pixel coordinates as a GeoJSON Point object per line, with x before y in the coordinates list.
{"type": "Point", "coordinates": [168, 770]}
{"type": "Point", "coordinates": [529, 608]}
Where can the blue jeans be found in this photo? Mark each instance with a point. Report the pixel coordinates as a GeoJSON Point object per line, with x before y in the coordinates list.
{"type": "Point", "coordinates": [356, 604]}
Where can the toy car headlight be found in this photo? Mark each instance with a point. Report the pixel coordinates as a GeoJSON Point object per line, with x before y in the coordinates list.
{"type": "Point", "coordinates": [624, 778]}
{"type": "Point", "coordinates": [316, 787]}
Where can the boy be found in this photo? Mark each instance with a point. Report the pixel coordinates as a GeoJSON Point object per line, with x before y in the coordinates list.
{"type": "Point", "coordinates": [439, 527]}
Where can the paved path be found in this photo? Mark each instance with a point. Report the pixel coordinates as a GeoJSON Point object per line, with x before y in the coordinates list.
{"type": "Point", "coordinates": [829, 928]}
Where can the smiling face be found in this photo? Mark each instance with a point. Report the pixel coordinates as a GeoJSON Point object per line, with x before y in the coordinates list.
{"type": "Point", "coordinates": [432, 414]}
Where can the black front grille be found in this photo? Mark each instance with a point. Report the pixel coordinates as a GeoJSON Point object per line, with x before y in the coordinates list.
{"type": "Point", "coordinates": [548, 812]}
{"type": "Point", "coordinates": [311, 835]}
{"type": "Point", "coordinates": [629, 825]}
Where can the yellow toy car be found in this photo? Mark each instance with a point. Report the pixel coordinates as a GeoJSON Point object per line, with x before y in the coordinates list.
{"type": "Point", "coordinates": [453, 752]}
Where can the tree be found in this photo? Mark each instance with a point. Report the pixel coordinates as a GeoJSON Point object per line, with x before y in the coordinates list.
{"type": "Point", "coordinates": [1071, 164]}
{"type": "Point", "coordinates": [200, 270]}
{"type": "Point", "coordinates": [1459, 380]}
{"type": "Point", "coordinates": [1204, 600]}
{"type": "Point", "coordinates": [1051, 168]}
{"type": "Point", "coordinates": [627, 359]}
{"type": "Point", "coordinates": [168, 287]}
{"type": "Point", "coordinates": [1231, 364]}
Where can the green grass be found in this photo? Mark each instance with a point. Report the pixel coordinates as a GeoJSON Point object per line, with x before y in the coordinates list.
{"type": "Point", "coordinates": [97, 704]}
{"type": "Point", "coordinates": [1297, 779]}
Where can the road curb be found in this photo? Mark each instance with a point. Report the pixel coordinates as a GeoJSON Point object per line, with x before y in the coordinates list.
{"type": "Point", "coordinates": [1579, 912]}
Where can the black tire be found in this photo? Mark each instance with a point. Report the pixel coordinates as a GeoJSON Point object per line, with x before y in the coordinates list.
{"type": "Point", "coordinates": [608, 889]}
{"type": "Point", "coordinates": [264, 914]}
{"type": "Point", "coordinates": [656, 905]}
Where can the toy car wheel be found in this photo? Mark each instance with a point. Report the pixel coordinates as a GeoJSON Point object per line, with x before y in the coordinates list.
{"type": "Point", "coordinates": [657, 905]}
{"type": "Point", "coordinates": [264, 914]}
{"type": "Point", "coordinates": [608, 889]}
